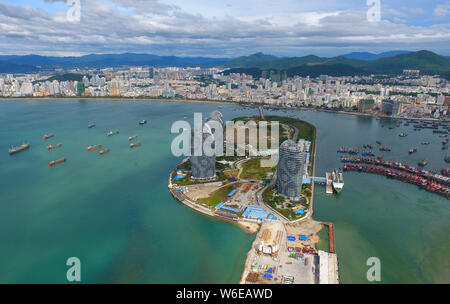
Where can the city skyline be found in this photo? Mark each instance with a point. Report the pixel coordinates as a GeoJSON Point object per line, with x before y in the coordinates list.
{"type": "Point", "coordinates": [230, 29]}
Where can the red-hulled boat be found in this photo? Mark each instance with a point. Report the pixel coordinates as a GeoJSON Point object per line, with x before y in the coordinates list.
{"type": "Point", "coordinates": [55, 162]}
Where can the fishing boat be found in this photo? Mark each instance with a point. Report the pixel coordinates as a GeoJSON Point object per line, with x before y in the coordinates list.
{"type": "Point", "coordinates": [425, 143]}
{"type": "Point", "coordinates": [91, 125]}
{"type": "Point", "coordinates": [92, 148]}
{"type": "Point", "coordinates": [111, 133]}
{"type": "Point", "coordinates": [103, 151]}
{"type": "Point", "coordinates": [132, 138]}
{"type": "Point", "coordinates": [378, 142]}
{"type": "Point", "coordinates": [445, 142]}
{"type": "Point", "coordinates": [447, 159]}
{"type": "Point", "coordinates": [48, 136]}
{"type": "Point", "coordinates": [55, 162]}
{"type": "Point", "coordinates": [411, 151]}
{"type": "Point", "coordinates": [368, 153]}
{"type": "Point", "coordinates": [132, 145]}
{"type": "Point", "coordinates": [385, 148]}
{"type": "Point", "coordinates": [403, 135]}
{"type": "Point", "coordinates": [423, 163]}
{"type": "Point", "coordinates": [50, 147]}
{"type": "Point", "coordinates": [142, 122]}
{"type": "Point", "coordinates": [18, 149]}
{"type": "Point", "coordinates": [380, 157]}
{"type": "Point", "coordinates": [445, 147]}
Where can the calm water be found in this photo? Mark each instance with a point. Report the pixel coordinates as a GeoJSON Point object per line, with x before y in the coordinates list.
{"type": "Point", "coordinates": [114, 211]}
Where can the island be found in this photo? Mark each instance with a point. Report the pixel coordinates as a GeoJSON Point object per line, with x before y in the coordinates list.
{"type": "Point", "coordinates": [275, 202]}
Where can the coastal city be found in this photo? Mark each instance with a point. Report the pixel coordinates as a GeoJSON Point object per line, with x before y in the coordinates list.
{"type": "Point", "coordinates": [220, 151]}
{"type": "Point", "coordinates": [409, 95]}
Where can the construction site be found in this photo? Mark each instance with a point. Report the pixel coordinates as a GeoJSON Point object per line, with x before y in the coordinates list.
{"type": "Point", "coordinates": [286, 254]}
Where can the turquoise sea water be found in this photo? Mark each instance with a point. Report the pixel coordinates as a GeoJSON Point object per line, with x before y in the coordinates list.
{"type": "Point", "coordinates": [114, 211]}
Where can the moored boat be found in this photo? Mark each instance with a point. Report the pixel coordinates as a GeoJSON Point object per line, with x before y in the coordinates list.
{"type": "Point", "coordinates": [411, 151]}
{"type": "Point", "coordinates": [132, 145]}
{"type": "Point", "coordinates": [132, 138]}
{"type": "Point", "coordinates": [92, 148]}
{"type": "Point", "coordinates": [143, 122]}
{"type": "Point", "coordinates": [111, 133]}
{"type": "Point", "coordinates": [48, 136]}
{"type": "Point", "coordinates": [103, 151]}
{"type": "Point", "coordinates": [18, 149]}
{"type": "Point", "coordinates": [55, 162]}
{"type": "Point", "coordinates": [425, 143]}
{"type": "Point", "coordinates": [91, 125]}
{"type": "Point", "coordinates": [50, 147]}
{"type": "Point", "coordinates": [423, 163]}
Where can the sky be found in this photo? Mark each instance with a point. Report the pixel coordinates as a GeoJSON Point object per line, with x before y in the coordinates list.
{"type": "Point", "coordinates": [226, 28]}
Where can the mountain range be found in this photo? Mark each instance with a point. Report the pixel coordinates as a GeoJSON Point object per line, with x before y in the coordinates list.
{"type": "Point", "coordinates": [427, 62]}
{"type": "Point", "coordinates": [357, 63]}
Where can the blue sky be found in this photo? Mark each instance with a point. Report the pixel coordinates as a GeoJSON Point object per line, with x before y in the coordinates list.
{"type": "Point", "coordinates": [222, 28]}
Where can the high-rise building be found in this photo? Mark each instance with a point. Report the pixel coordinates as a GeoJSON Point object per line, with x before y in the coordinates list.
{"type": "Point", "coordinates": [290, 170]}
{"type": "Point", "coordinates": [204, 166]}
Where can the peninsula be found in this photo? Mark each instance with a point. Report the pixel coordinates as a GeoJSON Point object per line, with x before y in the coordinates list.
{"type": "Point", "coordinates": [243, 192]}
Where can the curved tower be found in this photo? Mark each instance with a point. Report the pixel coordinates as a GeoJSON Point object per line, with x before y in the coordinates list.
{"type": "Point", "coordinates": [204, 167]}
{"type": "Point", "coordinates": [290, 170]}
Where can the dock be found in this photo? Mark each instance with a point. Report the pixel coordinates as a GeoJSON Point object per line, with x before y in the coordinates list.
{"type": "Point", "coordinates": [329, 187]}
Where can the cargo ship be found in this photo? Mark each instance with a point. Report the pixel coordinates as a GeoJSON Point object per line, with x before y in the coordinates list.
{"type": "Point", "coordinates": [91, 125]}
{"type": "Point", "coordinates": [103, 151]}
{"type": "Point", "coordinates": [338, 181]}
{"type": "Point", "coordinates": [132, 138]}
{"type": "Point", "coordinates": [92, 148]}
{"type": "Point", "coordinates": [48, 136]}
{"type": "Point", "coordinates": [143, 122]}
{"type": "Point", "coordinates": [18, 149]}
{"type": "Point", "coordinates": [55, 162]}
{"type": "Point", "coordinates": [132, 145]}
{"type": "Point", "coordinates": [111, 133]}
{"type": "Point", "coordinates": [50, 147]}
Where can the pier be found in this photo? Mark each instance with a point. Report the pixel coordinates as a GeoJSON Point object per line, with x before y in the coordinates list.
{"type": "Point", "coordinates": [327, 181]}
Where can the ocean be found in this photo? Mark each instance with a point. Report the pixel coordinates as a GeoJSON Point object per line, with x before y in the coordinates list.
{"type": "Point", "coordinates": [115, 213]}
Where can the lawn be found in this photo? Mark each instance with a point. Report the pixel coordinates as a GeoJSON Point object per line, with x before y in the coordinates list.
{"type": "Point", "coordinates": [252, 169]}
{"type": "Point", "coordinates": [218, 196]}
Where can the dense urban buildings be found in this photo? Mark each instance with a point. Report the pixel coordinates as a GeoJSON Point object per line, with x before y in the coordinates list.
{"type": "Point", "coordinates": [410, 94]}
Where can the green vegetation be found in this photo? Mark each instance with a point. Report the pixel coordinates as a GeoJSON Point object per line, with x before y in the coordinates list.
{"type": "Point", "coordinates": [276, 201]}
{"type": "Point", "coordinates": [256, 65]}
{"type": "Point", "coordinates": [251, 169]}
{"type": "Point", "coordinates": [218, 196]}
{"type": "Point", "coordinates": [64, 77]}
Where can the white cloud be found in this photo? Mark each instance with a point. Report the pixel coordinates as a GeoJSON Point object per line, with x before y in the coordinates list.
{"type": "Point", "coordinates": [442, 10]}
{"type": "Point", "coordinates": [109, 26]}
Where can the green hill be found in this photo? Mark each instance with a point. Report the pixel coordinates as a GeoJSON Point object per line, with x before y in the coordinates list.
{"type": "Point", "coordinates": [427, 62]}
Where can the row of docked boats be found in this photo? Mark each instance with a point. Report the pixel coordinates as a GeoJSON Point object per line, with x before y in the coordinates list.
{"type": "Point", "coordinates": [422, 180]}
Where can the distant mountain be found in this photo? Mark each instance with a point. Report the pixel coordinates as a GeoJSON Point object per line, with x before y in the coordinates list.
{"type": "Point", "coordinates": [425, 61]}
{"type": "Point", "coordinates": [8, 67]}
{"type": "Point", "coordinates": [249, 61]}
{"type": "Point", "coordinates": [113, 60]}
{"type": "Point", "coordinates": [372, 56]}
